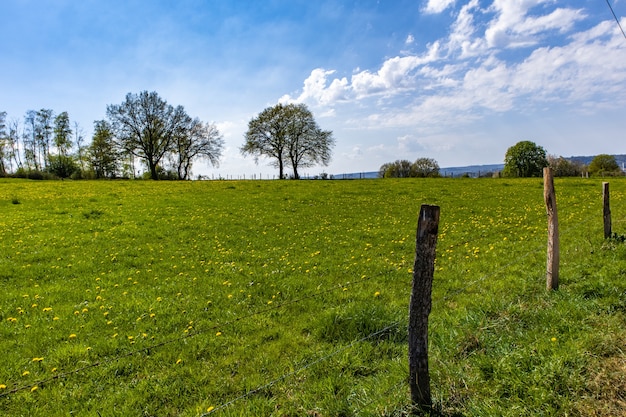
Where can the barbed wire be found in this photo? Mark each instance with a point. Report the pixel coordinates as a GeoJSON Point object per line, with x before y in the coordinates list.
{"type": "Point", "coordinates": [302, 368]}
{"type": "Point", "coordinates": [312, 295]}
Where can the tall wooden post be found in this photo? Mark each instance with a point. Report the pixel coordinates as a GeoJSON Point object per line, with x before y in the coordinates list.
{"type": "Point", "coordinates": [607, 211]}
{"type": "Point", "coordinates": [549, 195]}
{"type": "Point", "coordinates": [420, 305]}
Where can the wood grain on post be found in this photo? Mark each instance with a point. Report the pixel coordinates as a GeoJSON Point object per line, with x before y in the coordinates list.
{"type": "Point", "coordinates": [549, 195]}
{"type": "Point", "coordinates": [607, 210]}
{"type": "Point", "coordinates": [420, 305]}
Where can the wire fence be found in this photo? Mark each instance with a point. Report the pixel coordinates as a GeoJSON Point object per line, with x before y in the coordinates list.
{"type": "Point", "coordinates": [518, 259]}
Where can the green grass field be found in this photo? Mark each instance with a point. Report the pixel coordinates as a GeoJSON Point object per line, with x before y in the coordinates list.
{"type": "Point", "coordinates": [290, 298]}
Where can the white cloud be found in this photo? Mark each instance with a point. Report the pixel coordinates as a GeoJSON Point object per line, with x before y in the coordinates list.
{"type": "Point", "coordinates": [437, 6]}
{"type": "Point", "coordinates": [409, 40]}
{"type": "Point", "coordinates": [514, 27]}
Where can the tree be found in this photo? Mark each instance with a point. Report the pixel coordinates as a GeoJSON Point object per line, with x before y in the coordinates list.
{"type": "Point", "coordinates": [202, 141]}
{"type": "Point", "coordinates": [525, 159]}
{"type": "Point", "coordinates": [401, 168]}
{"type": "Point", "coordinates": [289, 135]}
{"type": "Point", "coordinates": [3, 144]}
{"type": "Point", "coordinates": [147, 127]}
{"type": "Point", "coordinates": [425, 167]}
{"type": "Point", "coordinates": [604, 164]}
{"type": "Point", "coordinates": [562, 167]}
{"type": "Point", "coordinates": [62, 133]}
{"type": "Point", "coordinates": [307, 144]}
{"type": "Point", "coordinates": [102, 153]}
{"type": "Point", "coordinates": [43, 134]}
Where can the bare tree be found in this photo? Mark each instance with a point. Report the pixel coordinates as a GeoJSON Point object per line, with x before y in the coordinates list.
{"type": "Point", "coordinates": [200, 141]}
{"type": "Point", "coordinates": [146, 126]}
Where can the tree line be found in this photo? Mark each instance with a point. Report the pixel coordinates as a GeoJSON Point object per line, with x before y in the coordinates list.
{"type": "Point", "coordinates": [163, 139]}
{"type": "Point", "coordinates": [143, 130]}
{"type": "Point", "coordinates": [524, 159]}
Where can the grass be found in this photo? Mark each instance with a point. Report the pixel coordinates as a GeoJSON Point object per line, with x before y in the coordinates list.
{"type": "Point", "coordinates": [290, 298]}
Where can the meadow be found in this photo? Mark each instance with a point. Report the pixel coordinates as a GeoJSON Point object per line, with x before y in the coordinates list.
{"type": "Point", "coordinates": [290, 298]}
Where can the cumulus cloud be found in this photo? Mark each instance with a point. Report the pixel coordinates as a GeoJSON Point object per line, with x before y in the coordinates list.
{"type": "Point", "coordinates": [471, 72]}
{"type": "Point", "coordinates": [514, 26]}
{"type": "Point", "coordinates": [437, 6]}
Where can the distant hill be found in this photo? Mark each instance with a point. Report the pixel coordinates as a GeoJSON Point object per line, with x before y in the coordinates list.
{"type": "Point", "coordinates": [473, 170]}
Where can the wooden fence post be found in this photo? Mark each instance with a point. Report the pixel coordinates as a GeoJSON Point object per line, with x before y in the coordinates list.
{"type": "Point", "coordinates": [549, 195]}
{"type": "Point", "coordinates": [607, 211]}
{"type": "Point", "coordinates": [420, 305]}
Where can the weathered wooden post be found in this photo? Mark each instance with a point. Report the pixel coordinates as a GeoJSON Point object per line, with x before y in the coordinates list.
{"type": "Point", "coordinates": [549, 195]}
{"type": "Point", "coordinates": [420, 305]}
{"type": "Point", "coordinates": [607, 211]}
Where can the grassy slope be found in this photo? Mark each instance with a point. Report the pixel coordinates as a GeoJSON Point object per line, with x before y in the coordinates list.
{"type": "Point", "coordinates": [149, 298]}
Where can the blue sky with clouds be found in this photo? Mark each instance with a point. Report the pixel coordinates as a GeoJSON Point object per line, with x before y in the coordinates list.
{"type": "Point", "coordinates": [457, 81]}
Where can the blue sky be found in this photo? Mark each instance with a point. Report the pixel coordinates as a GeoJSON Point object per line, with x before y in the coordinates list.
{"type": "Point", "coordinates": [457, 81]}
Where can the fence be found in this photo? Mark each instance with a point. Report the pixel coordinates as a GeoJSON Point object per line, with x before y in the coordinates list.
{"type": "Point", "coordinates": [420, 304]}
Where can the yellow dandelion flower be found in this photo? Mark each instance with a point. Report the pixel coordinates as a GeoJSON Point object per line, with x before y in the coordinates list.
{"type": "Point", "coordinates": [25, 373]}
{"type": "Point", "coordinates": [35, 388]}
{"type": "Point", "coordinates": [553, 339]}
{"type": "Point", "coordinates": [46, 309]}
{"type": "Point", "coordinates": [55, 318]}
{"type": "Point", "coordinates": [72, 336]}
{"type": "Point", "coordinates": [53, 370]}
{"type": "Point", "coordinates": [218, 334]}
{"type": "Point", "coordinates": [211, 408]}
{"type": "Point", "coordinates": [37, 359]}
{"type": "Point", "coordinates": [377, 294]}
{"type": "Point", "coordinates": [178, 361]}
{"type": "Point", "coordinates": [2, 386]}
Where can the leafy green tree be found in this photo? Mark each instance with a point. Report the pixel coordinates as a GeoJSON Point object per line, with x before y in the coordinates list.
{"type": "Point", "coordinates": [62, 133]}
{"type": "Point", "coordinates": [525, 159]}
{"type": "Point", "coordinates": [145, 126]}
{"type": "Point", "coordinates": [202, 141]}
{"type": "Point", "coordinates": [289, 135]}
{"type": "Point", "coordinates": [62, 166]}
{"type": "Point", "coordinates": [103, 155]}
{"type": "Point", "coordinates": [425, 167]}
{"type": "Point", "coordinates": [401, 168]}
{"type": "Point", "coordinates": [604, 164]}
{"type": "Point", "coordinates": [43, 134]}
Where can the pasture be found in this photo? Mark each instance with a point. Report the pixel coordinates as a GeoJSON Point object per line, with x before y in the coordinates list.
{"type": "Point", "coordinates": [290, 298]}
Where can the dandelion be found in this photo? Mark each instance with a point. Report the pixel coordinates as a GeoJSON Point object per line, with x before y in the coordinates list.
{"type": "Point", "coordinates": [12, 319]}
{"type": "Point", "coordinates": [218, 334]}
{"type": "Point", "coordinates": [178, 361]}
{"type": "Point", "coordinates": [72, 336]}
{"type": "Point", "coordinates": [25, 373]}
{"type": "Point", "coordinates": [35, 388]}
{"type": "Point", "coordinates": [55, 318]}
{"type": "Point", "coordinates": [53, 370]}
{"type": "Point", "coordinates": [37, 359]}
{"type": "Point", "coordinates": [553, 339]}
{"type": "Point", "coordinates": [46, 309]}
{"type": "Point", "coordinates": [211, 408]}
{"type": "Point", "coordinates": [2, 386]}
{"type": "Point", "coordinates": [377, 294]}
